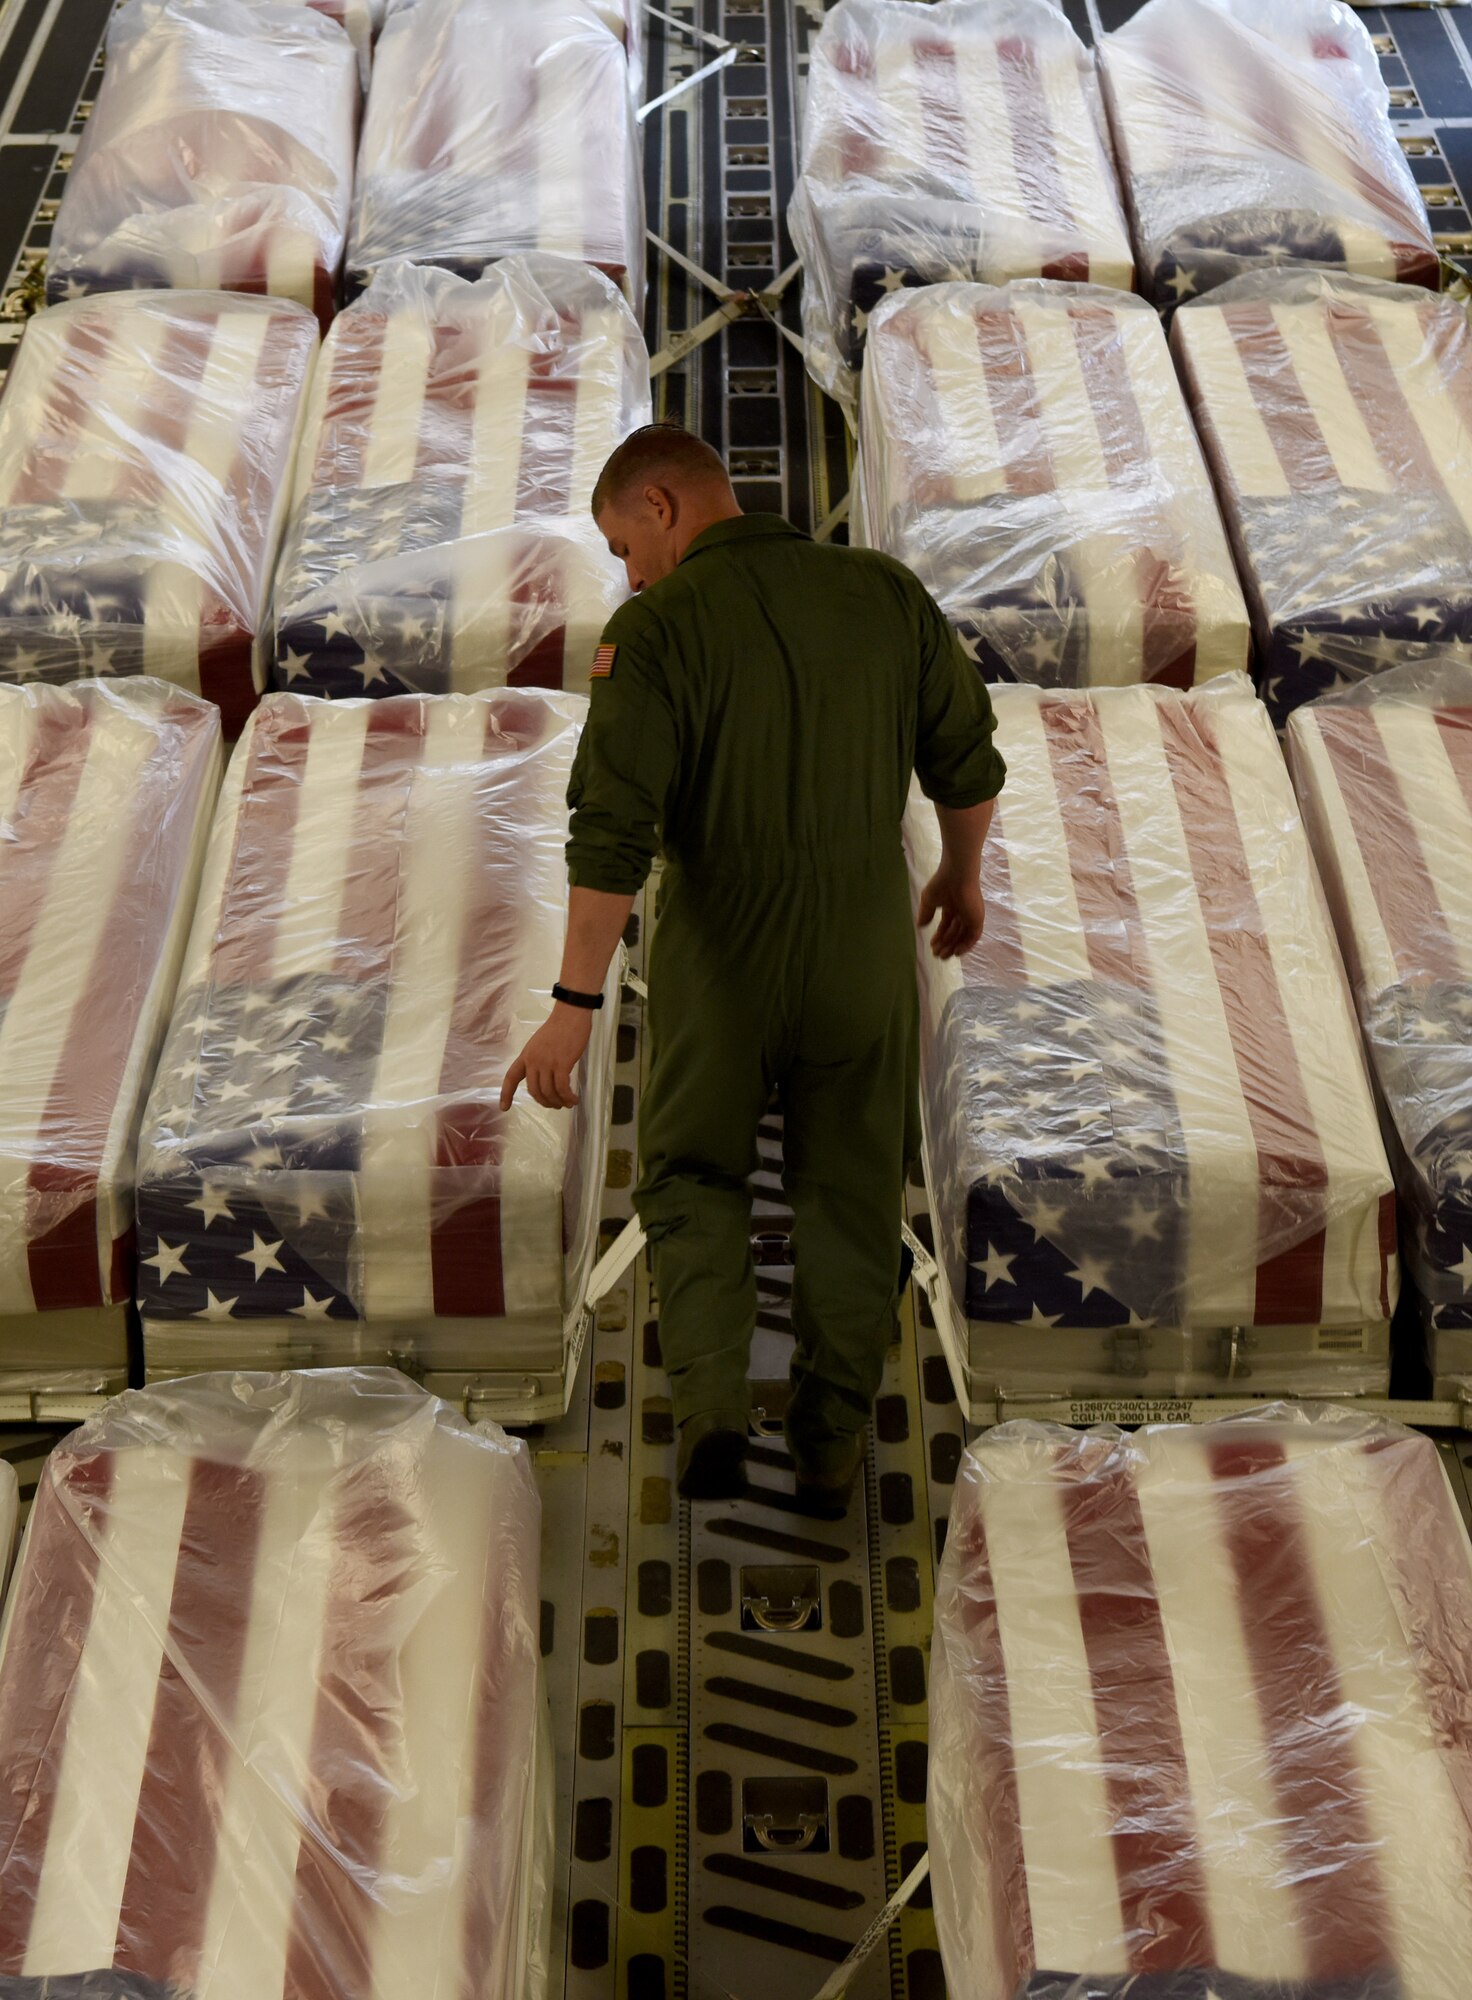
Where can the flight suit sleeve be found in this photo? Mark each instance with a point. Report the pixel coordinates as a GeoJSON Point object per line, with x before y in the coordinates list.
{"type": "Point", "coordinates": [956, 761]}
{"type": "Point", "coordinates": [626, 761]}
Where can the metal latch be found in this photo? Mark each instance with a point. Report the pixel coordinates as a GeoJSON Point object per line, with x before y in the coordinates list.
{"type": "Point", "coordinates": [782, 1598]}
{"type": "Point", "coordinates": [769, 1401]}
{"type": "Point", "coordinates": [785, 1815]}
{"type": "Point", "coordinates": [1234, 1344]}
{"type": "Point", "coordinates": [1129, 1348]}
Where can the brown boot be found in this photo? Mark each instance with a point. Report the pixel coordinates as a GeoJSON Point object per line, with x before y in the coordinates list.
{"type": "Point", "coordinates": [826, 1470]}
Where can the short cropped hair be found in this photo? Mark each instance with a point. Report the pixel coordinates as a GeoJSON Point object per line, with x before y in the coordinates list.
{"type": "Point", "coordinates": [659, 454]}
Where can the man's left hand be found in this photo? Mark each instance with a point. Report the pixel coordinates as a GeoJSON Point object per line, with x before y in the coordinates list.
{"type": "Point", "coordinates": [547, 1062]}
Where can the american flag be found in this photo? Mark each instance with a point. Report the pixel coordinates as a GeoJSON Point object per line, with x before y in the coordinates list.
{"type": "Point", "coordinates": [1384, 773]}
{"type": "Point", "coordinates": [271, 1712]}
{"type": "Point", "coordinates": [105, 797]}
{"type": "Point", "coordinates": [1146, 1103]}
{"type": "Point", "coordinates": [145, 445]}
{"type": "Point", "coordinates": [378, 933]}
{"type": "Point", "coordinates": [948, 141]}
{"type": "Point", "coordinates": [1249, 133]}
{"type": "Point", "coordinates": [1026, 451]}
{"type": "Point", "coordinates": [462, 163]}
{"type": "Point", "coordinates": [1337, 418]}
{"type": "Point", "coordinates": [440, 535]}
{"type": "Point", "coordinates": [219, 156]}
{"type": "Point", "coordinates": [1199, 1715]}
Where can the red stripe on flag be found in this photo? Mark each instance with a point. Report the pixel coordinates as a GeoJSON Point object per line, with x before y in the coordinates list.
{"type": "Point", "coordinates": [998, 958]}
{"type": "Point", "coordinates": [67, 1264]}
{"type": "Point", "coordinates": [544, 493]}
{"type": "Point", "coordinates": [1098, 860]}
{"type": "Point", "coordinates": [1016, 407]}
{"type": "Point", "coordinates": [981, 1684]}
{"type": "Point", "coordinates": [942, 117]}
{"type": "Point", "coordinates": [1293, 1176]}
{"type": "Point", "coordinates": [356, 363]}
{"type": "Point", "coordinates": [1287, 415]}
{"type": "Point", "coordinates": [352, 1783]}
{"type": "Point", "coordinates": [1168, 643]}
{"type": "Point", "coordinates": [1307, 1724]}
{"type": "Point", "coordinates": [1388, 416]}
{"type": "Point", "coordinates": [1035, 157]}
{"type": "Point", "coordinates": [50, 1618]}
{"type": "Point", "coordinates": [861, 114]}
{"type": "Point", "coordinates": [32, 835]}
{"type": "Point", "coordinates": [1454, 727]}
{"type": "Point", "coordinates": [265, 827]}
{"type": "Point", "coordinates": [71, 389]}
{"type": "Point", "coordinates": [166, 1897]}
{"type": "Point", "coordinates": [505, 1717]}
{"type": "Point", "coordinates": [1153, 1832]}
{"type": "Point", "coordinates": [260, 467]}
{"type": "Point", "coordinates": [377, 851]}
{"type": "Point", "coordinates": [1395, 863]}
{"type": "Point", "coordinates": [467, 1253]}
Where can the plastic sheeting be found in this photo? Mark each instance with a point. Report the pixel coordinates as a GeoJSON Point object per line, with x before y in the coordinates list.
{"type": "Point", "coordinates": [271, 1713]}
{"type": "Point", "coordinates": [1337, 419]}
{"type": "Point", "coordinates": [146, 441]}
{"type": "Point", "coordinates": [378, 932]}
{"type": "Point", "coordinates": [1250, 131]}
{"type": "Point", "coordinates": [1026, 452]}
{"type": "Point", "coordinates": [1146, 1105]}
{"type": "Point", "coordinates": [9, 1514]}
{"type": "Point", "coordinates": [1384, 773]}
{"type": "Point", "coordinates": [1198, 1709]}
{"type": "Point", "coordinates": [462, 164]}
{"type": "Point", "coordinates": [219, 155]}
{"type": "Point", "coordinates": [957, 140]}
{"type": "Point", "coordinates": [105, 798]}
{"type": "Point", "coordinates": [440, 535]}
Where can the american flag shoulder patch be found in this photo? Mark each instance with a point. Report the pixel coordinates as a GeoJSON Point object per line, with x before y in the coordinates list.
{"type": "Point", "coordinates": [602, 667]}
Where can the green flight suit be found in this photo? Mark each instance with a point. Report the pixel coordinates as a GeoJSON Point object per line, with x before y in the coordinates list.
{"type": "Point", "coordinates": [766, 705]}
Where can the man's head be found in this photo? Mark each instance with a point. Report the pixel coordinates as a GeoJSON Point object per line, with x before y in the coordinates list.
{"type": "Point", "coordinates": [661, 488]}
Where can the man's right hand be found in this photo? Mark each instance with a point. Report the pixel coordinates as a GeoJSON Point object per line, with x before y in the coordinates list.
{"type": "Point", "coordinates": [956, 899]}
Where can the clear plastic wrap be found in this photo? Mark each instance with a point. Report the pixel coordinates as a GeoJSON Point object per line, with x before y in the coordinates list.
{"type": "Point", "coordinates": [462, 163]}
{"type": "Point", "coordinates": [361, 21]}
{"type": "Point", "coordinates": [1337, 419]}
{"type": "Point", "coordinates": [1147, 1112]}
{"type": "Point", "coordinates": [219, 156]}
{"type": "Point", "coordinates": [1025, 450]}
{"type": "Point", "coordinates": [272, 1720]}
{"type": "Point", "coordinates": [9, 1514]}
{"type": "Point", "coordinates": [1199, 1707]}
{"type": "Point", "coordinates": [1253, 131]}
{"type": "Point", "coordinates": [1384, 775]}
{"type": "Point", "coordinates": [962, 139]}
{"type": "Point", "coordinates": [105, 799]}
{"type": "Point", "coordinates": [326, 1172]}
{"type": "Point", "coordinates": [146, 443]}
{"type": "Point", "coordinates": [440, 537]}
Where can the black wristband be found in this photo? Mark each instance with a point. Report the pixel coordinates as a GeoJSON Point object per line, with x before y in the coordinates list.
{"type": "Point", "coordinates": [592, 1001]}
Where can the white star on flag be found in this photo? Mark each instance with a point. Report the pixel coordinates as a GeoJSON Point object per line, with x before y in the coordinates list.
{"type": "Point", "coordinates": [212, 1205]}
{"type": "Point", "coordinates": [261, 1256]}
{"type": "Point", "coordinates": [997, 1268]}
{"type": "Point", "coordinates": [312, 1307]}
{"type": "Point", "coordinates": [168, 1260]}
